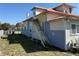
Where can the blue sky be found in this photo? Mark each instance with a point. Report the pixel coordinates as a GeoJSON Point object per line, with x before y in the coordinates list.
{"type": "Point", "coordinates": [16, 12]}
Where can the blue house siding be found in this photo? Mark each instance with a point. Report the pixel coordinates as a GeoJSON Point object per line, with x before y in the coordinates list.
{"type": "Point", "coordinates": [58, 38]}
{"type": "Point", "coordinates": [55, 37]}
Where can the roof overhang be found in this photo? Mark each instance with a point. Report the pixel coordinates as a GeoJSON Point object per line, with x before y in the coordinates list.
{"type": "Point", "coordinates": [49, 10]}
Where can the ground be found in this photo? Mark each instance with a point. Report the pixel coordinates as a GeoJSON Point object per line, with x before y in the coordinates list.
{"type": "Point", "coordinates": [19, 45]}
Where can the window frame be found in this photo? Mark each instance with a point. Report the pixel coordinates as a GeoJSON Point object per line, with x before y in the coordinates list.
{"type": "Point", "coordinates": [77, 28]}
{"type": "Point", "coordinates": [73, 29]}
{"type": "Point", "coordinates": [76, 32]}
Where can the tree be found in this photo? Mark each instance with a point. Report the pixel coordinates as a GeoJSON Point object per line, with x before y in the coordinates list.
{"type": "Point", "coordinates": [0, 26]}
{"type": "Point", "coordinates": [5, 26]}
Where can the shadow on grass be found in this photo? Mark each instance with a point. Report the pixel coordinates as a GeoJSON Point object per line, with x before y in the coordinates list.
{"type": "Point", "coordinates": [29, 45]}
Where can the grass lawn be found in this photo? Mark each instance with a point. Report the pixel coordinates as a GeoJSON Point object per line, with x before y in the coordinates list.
{"type": "Point", "coordinates": [19, 45]}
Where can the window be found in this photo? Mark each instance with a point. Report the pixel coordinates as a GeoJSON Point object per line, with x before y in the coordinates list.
{"type": "Point", "coordinates": [73, 27]}
{"type": "Point", "coordinates": [30, 26]}
{"type": "Point", "coordinates": [77, 28]}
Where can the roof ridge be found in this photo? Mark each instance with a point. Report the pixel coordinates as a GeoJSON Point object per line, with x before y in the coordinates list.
{"type": "Point", "coordinates": [52, 10]}
{"type": "Point", "coordinates": [65, 4]}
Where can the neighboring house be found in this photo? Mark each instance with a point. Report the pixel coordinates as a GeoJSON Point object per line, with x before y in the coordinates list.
{"type": "Point", "coordinates": [17, 28]}
{"type": "Point", "coordinates": [57, 26]}
{"type": "Point", "coordinates": [1, 33]}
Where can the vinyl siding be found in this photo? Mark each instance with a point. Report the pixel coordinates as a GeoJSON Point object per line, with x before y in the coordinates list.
{"type": "Point", "coordinates": [57, 31]}
{"type": "Point", "coordinates": [58, 25]}
{"type": "Point", "coordinates": [52, 16]}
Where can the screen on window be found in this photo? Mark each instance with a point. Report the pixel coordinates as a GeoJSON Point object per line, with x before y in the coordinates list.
{"type": "Point", "coordinates": [73, 28]}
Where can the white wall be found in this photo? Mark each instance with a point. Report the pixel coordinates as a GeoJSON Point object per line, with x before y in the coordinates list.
{"type": "Point", "coordinates": [34, 31]}
{"type": "Point", "coordinates": [37, 11]}
{"type": "Point", "coordinates": [57, 25]}
{"type": "Point", "coordinates": [41, 19]}
{"type": "Point", "coordinates": [52, 16]}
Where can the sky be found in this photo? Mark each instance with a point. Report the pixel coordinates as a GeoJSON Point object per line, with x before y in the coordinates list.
{"type": "Point", "coordinates": [17, 12]}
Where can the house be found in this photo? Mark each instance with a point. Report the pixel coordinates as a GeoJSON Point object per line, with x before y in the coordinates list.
{"type": "Point", "coordinates": [56, 26]}
{"type": "Point", "coordinates": [1, 33]}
